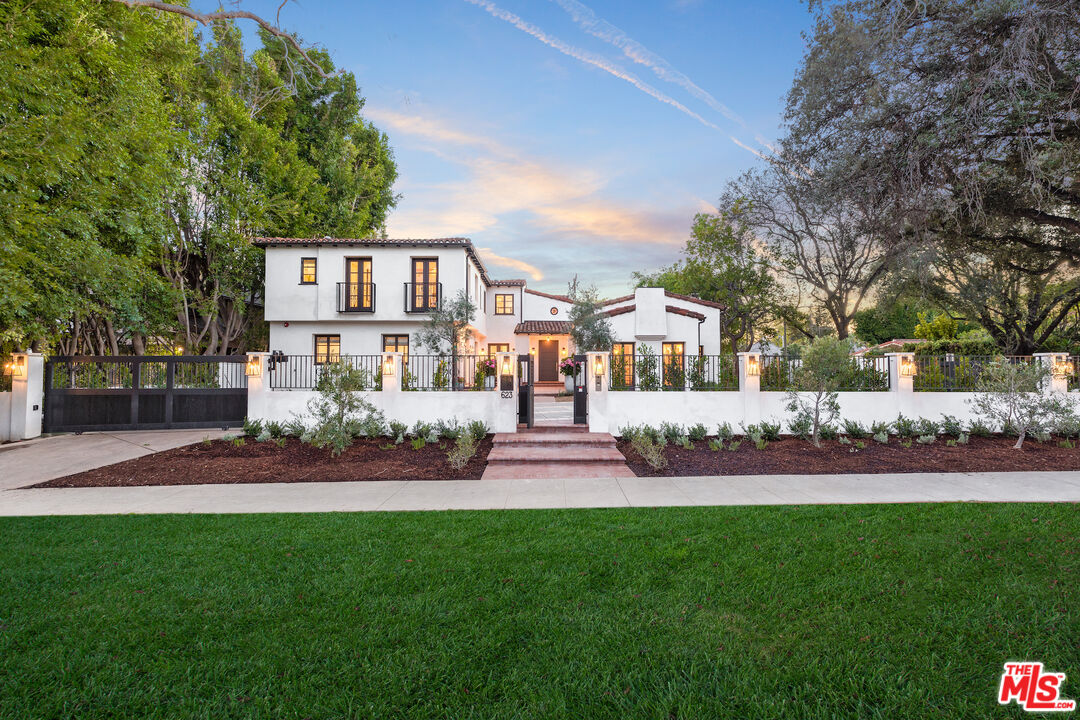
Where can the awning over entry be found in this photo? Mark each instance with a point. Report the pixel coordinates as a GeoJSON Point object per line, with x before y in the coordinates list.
{"type": "Point", "coordinates": [542, 327]}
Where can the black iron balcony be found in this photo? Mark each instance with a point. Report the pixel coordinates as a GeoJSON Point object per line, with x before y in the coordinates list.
{"type": "Point", "coordinates": [355, 297]}
{"type": "Point", "coordinates": [422, 297]}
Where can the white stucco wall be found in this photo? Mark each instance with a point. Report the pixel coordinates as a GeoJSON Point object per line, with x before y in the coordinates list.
{"type": "Point", "coordinates": [537, 307]}
{"type": "Point", "coordinates": [5, 416]}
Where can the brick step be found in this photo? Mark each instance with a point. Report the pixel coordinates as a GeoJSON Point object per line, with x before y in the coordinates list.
{"type": "Point", "coordinates": [569, 471]}
{"type": "Point", "coordinates": [556, 454]}
{"type": "Point", "coordinates": [553, 428]}
{"type": "Point", "coordinates": [554, 438]}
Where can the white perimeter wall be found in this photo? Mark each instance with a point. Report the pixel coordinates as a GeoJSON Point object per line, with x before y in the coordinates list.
{"type": "Point", "coordinates": [5, 416]}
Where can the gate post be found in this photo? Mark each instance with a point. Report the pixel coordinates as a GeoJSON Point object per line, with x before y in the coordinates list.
{"type": "Point", "coordinates": [750, 386]}
{"type": "Point", "coordinates": [27, 395]}
{"type": "Point", "coordinates": [598, 393]}
{"type": "Point", "coordinates": [257, 371]}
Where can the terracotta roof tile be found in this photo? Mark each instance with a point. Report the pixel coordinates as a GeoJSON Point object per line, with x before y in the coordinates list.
{"type": "Point", "coordinates": [612, 301]}
{"type": "Point", "coordinates": [549, 296]}
{"type": "Point", "coordinates": [684, 311]}
{"type": "Point", "coordinates": [619, 310]}
{"type": "Point", "coordinates": [508, 283]}
{"type": "Point", "coordinates": [542, 327]}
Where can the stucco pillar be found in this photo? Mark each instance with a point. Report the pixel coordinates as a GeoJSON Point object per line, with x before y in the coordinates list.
{"type": "Point", "coordinates": [506, 398]}
{"type": "Point", "coordinates": [598, 390]}
{"type": "Point", "coordinates": [258, 385]}
{"type": "Point", "coordinates": [27, 395]}
{"type": "Point", "coordinates": [1055, 383]}
{"type": "Point", "coordinates": [393, 372]}
{"type": "Point", "coordinates": [902, 371]}
{"type": "Point", "coordinates": [750, 386]}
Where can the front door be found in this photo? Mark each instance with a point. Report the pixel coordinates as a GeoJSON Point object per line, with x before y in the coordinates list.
{"type": "Point", "coordinates": [548, 361]}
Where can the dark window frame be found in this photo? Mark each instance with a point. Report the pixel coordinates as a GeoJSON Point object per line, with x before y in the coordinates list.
{"type": "Point", "coordinates": [315, 268]}
{"type": "Point", "coordinates": [427, 295]}
{"type": "Point", "coordinates": [504, 311]}
{"type": "Point", "coordinates": [327, 358]}
{"type": "Point", "coordinates": [361, 306]}
{"type": "Point", "coordinates": [397, 345]}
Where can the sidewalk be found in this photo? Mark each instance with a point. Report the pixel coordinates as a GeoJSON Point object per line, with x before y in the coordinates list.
{"type": "Point", "coordinates": [549, 493]}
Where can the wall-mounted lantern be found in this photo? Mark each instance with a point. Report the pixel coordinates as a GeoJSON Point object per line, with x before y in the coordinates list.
{"type": "Point", "coordinates": [1061, 366]}
{"type": "Point", "coordinates": [598, 365]}
{"type": "Point", "coordinates": [506, 368]}
{"type": "Point", "coordinates": [907, 366]}
{"type": "Point", "coordinates": [254, 366]}
{"type": "Point", "coordinates": [753, 365]}
{"type": "Point", "coordinates": [388, 367]}
{"type": "Point", "coordinates": [16, 367]}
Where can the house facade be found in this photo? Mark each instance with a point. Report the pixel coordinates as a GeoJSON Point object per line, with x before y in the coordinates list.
{"type": "Point", "coordinates": [327, 297]}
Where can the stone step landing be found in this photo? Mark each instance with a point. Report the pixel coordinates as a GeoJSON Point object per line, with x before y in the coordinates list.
{"type": "Point", "coordinates": [565, 451]}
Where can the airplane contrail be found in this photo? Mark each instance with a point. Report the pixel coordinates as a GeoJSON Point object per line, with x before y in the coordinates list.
{"type": "Point", "coordinates": [602, 29]}
{"type": "Point", "coordinates": [587, 57]}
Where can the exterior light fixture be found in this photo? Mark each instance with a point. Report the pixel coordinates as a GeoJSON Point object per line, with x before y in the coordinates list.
{"type": "Point", "coordinates": [254, 366]}
{"type": "Point", "coordinates": [388, 367]}
{"type": "Point", "coordinates": [179, 349]}
{"type": "Point", "coordinates": [506, 370]}
{"type": "Point", "coordinates": [598, 365]}
{"type": "Point", "coordinates": [1061, 366]}
{"type": "Point", "coordinates": [532, 351]}
{"type": "Point", "coordinates": [753, 365]}
{"type": "Point", "coordinates": [564, 352]}
{"type": "Point", "coordinates": [907, 366]}
{"type": "Point", "coordinates": [16, 367]}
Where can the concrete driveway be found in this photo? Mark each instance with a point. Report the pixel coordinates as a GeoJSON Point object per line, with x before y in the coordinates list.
{"type": "Point", "coordinates": [34, 461]}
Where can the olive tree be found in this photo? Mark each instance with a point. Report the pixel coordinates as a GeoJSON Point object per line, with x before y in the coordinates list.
{"type": "Point", "coordinates": [825, 362]}
{"type": "Point", "coordinates": [1010, 397]}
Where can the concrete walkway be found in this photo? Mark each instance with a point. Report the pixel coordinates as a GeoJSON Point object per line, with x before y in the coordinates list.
{"type": "Point", "coordinates": [35, 461]}
{"type": "Point", "coordinates": [548, 493]}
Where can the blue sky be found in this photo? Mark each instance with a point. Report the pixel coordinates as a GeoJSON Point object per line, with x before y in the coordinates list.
{"type": "Point", "coordinates": [513, 122]}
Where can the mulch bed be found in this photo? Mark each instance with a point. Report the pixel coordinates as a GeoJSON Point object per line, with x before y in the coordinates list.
{"type": "Point", "coordinates": [221, 462]}
{"type": "Point", "coordinates": [794, 456]}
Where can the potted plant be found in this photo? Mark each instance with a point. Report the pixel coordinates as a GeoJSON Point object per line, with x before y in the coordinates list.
{"type": "Point", "coordinates": [568, 367]}
{"type": "Point", "coordinates": [485, 374]}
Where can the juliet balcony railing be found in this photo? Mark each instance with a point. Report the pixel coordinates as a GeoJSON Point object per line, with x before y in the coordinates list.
{"type": "Point", "coordinates": [422, 297]}
{"type": "Point", "coordinates": [355, 297]}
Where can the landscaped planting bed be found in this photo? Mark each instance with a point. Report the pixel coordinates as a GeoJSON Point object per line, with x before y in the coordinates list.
{"type": "Point", "coordinates": [795, 456]}
{"type": "Point", "coordinates": [225, 462]}
{"type": "Point", "coordinates": [886, 611]}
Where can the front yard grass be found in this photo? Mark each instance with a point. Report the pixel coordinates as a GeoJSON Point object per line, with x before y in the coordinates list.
{"type": "Point", "coordinates": [888, 611]}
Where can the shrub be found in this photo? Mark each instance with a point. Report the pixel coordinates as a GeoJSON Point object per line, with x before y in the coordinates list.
{"type": "Point", "coordinates": [373, 426]}
{"type": "Point", "coordinates": [825, 365]}
{"type": "Point", "coordinates": [252, 426]}
{"type": "Point", "coordinates": [734, 445]}
{"type": "Point", "coordinates": [926, 426]}
{"type": "Point", "coordinates": [275, 429]}
{"type": "Point", "coordinates": [904, 427]}
{"type": "Point", "coordinates": [462, 452]}
{"type": "Point", "coordinates": [418, 443]}
{"type": "Point", "coordinates": [448, 430]}
{"type": "Point", "coordinates": [629, 432]}
{"type": "Point", "coordinates": [979, 429]}
{"type": "Point", "coordinates": [724, 432]}
{"type": "Point", "coordinates": [671, 431]}
{"type": "Point", "coordinates": [801, 426]}
{"type": "Point", "coordinates": [962, 438]}
{"type": "Point", "coordinates": [951, 425]}
{"type": "Point", "coordinates": [828, 432]}
{"type": "Point", "coordinates": [854, 429]}
{"type": "Point", "coordinates": [716, 445]}
{"type": "Point", "coordinates": [770, 430]}
{"type": "Point", "coordinates": [843, 440]}
{"type": "Point", "coordinates": [651, 451]}
{"type": "Point", "coordinates": [684, 442]}
{"type": "Point", "coordinates": [295, 427]}
{"type": "Point", "coordinates": [648, 379]}
{"type": "Point", "coordinates": [1009, 396]}
{"type": "Point", "coordinates": [880, 427]}
{"type": "Point", "coordinates": [263, 436]}
{"type": "Point", "coordinates": [421, 429]}
{"type": "Point", "coordinates": [338, 410]}
{"type": "Point", "coordinates": [697, 432]}
{"type": "Point", "coordinates": [478, 429]}
{"type": "Point", "coordinates": [881, 437]}
{"type": "Point", "coordinates": [926, 439]}
{"type": "Point", "coordinates": [397, 431]}
{"type": "Point", "coordinates": [653, 434]}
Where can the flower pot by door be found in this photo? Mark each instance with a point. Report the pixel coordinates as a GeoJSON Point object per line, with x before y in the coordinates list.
{"type": "Point", "coordinates": [569, 383]}
{"type": "Point", "coordinates": [489, 382]}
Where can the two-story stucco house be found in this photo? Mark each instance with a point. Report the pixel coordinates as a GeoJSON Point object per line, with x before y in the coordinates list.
{"type": "Point", "coordinates": [327, 297]}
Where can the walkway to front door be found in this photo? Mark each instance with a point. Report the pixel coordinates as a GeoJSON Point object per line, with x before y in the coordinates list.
{"type": "Point", "coordinates": [548, 411]}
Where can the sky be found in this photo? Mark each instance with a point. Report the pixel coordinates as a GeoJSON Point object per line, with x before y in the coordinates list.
{"type": "Point", "coordinates": [562, 136]}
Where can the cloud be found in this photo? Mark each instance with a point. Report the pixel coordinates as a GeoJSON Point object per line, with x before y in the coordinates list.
{"type": "Point", "coordinates": [491, 258]}
{"type": "Point", "coordinates": [602, 29]}
{"type": "Point", "coordinates": [587, 57]}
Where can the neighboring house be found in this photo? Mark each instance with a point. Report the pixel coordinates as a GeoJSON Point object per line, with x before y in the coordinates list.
{"type": "Point", "coordinates": [331, 296]}
{"type": "Point", "coordinates": [889, 346]}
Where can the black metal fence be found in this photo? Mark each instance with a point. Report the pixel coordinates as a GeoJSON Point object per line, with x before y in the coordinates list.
{"type": "Point", "coordinates": [862, 374]}
{"type": "Point", "coordinates": [444, 372]}
{"type": "Point", "coordinates": [955, 373]}
{"type": "Point", "coordinates": [673, 372]}
{"type": "Point", "coordinates": [302, 372]}
{"type": "Point", "coordinates": [144, 392]}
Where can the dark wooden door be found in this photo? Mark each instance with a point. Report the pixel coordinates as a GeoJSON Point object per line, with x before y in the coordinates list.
{"type": "Point", "coordinates": [548, 360]}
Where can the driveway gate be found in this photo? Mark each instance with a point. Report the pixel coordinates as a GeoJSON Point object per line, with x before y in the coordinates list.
{"type": "Point", "coordinates": [144, 392]}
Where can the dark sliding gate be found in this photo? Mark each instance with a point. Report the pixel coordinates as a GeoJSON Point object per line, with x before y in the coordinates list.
{"type": "Point", "coordinates": [525, 390]}
{"type": "Point", "coordinates": [581, 390]}
{"type": "Point", "coordinates": [144, 392]}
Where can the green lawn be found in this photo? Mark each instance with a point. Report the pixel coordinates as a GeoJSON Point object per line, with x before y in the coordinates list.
{"type": "Point", "coordinates": [895, 611]}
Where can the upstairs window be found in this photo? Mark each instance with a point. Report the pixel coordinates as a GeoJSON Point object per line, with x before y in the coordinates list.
{"type": "Point", "coordinates": [504, 304]}
{"type": "Point", "coordinates": [307, 271]}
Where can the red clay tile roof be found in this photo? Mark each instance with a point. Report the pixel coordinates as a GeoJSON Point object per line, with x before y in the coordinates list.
{"type": "Point", "coordinates": [668, 293]}
{"type": "Point", "coordinates": [619, 310]}
{"type": "Point", "coordinates": [684, 311]}
{"type": "Point", "coordinates": [563, 298]}
{"type": "Point", "coordinates": [508, 283]}
{"type": "Point", "coordinates": [542, 327]}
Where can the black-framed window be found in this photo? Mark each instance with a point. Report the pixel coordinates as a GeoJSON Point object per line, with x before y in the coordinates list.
{"type": "Point", "coordinates": [504, 304]}
{"type": "Point", "coordinates": [396, 343]}
{"type": "Point", "coordinates": [425, 283]}
{"type": "Point", "coordinates": [359, 292]}
{"type": "Point", "coordinates": [327, 348]}
{"type": "Point", "coordinates": [494, 348]}
{"type": "Point", "coordinates": [308, 271]}
{"type": "Point", "coordinates": [672, 354]}
{"type": "Point", "coordinates": [622, 364]}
